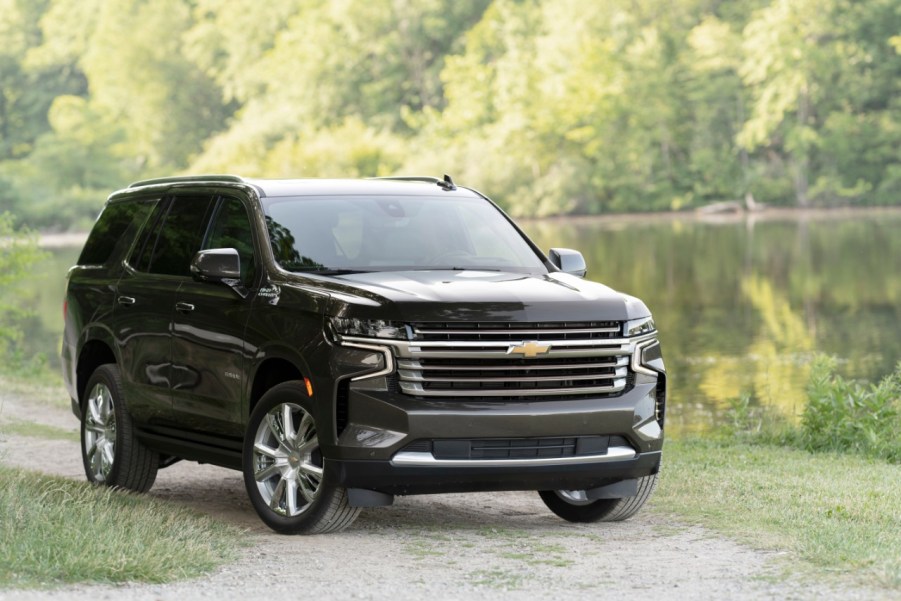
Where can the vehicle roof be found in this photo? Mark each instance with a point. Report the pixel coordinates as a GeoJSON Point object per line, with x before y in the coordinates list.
{"type": "Point", "coordinates": [313, 187]}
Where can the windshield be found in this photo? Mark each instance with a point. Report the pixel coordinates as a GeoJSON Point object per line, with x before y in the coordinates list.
{"type": "Point", "coordinates": [389, 233]}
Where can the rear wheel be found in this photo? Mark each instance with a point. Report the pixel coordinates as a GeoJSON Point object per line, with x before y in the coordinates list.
{"type": "Point", "coordinates": [575, 506]}
{"type": "Point", "coordinates": [111, 453]}
{"type": "Point", "coordinates": [284, 471]}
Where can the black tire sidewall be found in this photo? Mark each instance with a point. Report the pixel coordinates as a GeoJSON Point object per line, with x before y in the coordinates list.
{"type": "Point", "coordinates": [591, 512]}
{"type": "Point", "coordinates": [108, 375]}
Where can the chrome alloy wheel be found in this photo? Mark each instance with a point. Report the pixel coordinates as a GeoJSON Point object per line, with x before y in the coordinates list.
{"type": "Point", "coordinates": [100, 432]}
{"type": "Point", "coordinates": [287, 463]}
{"type": "Point", "coordinates": [574, 497]}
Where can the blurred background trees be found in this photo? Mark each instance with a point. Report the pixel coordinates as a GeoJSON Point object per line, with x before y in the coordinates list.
{"type": "Point", "coordinates": [550, 106]}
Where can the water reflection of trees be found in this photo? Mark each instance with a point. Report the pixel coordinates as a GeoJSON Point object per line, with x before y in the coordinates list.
{"type": "Point", "coordinates": [741, 308]}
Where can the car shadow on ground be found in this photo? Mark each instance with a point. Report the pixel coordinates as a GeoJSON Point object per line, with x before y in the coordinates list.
{"type": "Point", "coordinates": [220, 493]}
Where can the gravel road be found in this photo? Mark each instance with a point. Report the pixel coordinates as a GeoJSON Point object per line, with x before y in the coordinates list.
{"type": "Point", "coordinates": [475, 546]}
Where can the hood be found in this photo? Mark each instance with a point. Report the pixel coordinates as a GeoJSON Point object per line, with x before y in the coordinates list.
{"type": "Point", "coordinates": [471, 295]}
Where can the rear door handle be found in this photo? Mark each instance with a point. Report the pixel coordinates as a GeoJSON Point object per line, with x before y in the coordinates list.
{"type": "Point", "coordinates": [126, 301]}
{"type": "Point", "coordinates": [184, 307]}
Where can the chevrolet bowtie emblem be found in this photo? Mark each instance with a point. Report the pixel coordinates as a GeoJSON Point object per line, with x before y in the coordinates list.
{"type": "Point", "coordinates": [529, 349]}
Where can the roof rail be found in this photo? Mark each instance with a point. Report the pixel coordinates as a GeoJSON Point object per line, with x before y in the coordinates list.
{"type": "Point", "coordinates": [446, 184]}
{"type": "Point", "coordinates": [179, 179]}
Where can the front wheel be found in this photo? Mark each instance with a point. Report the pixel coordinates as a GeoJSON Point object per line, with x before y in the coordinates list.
{"type": "Point", "coordinates": [284, 471]}
{"type": "Point", "coordinates": [575, 506]}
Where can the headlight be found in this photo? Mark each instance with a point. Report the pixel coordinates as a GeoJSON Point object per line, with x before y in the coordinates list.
{"type": "Point", "coordinates": [369, 328]}
{"type": "Point", "coordinates": [637, 327]}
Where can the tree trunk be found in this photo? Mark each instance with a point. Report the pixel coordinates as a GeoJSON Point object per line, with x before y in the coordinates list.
{"type": "Point", "coordinates": [801, 162]}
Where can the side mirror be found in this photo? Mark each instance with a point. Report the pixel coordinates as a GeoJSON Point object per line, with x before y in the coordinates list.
{"type": "Point", "coordinates": [568, 261]}
{"type": "Point", "coordinates": [216, 265]}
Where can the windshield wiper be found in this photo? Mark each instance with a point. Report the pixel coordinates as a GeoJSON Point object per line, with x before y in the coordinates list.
{"type": "Point", "coordinates": [328, 271]}
{"type": "Point", "coordinates": [471, 268]}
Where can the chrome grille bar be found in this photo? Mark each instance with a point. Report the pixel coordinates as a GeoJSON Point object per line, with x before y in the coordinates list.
{"type": "Point", "coordinates": [610, 361]}
{"type": "Point", "coordinates": [417, 389]}
{"type": "Point", "coordinates": [501, 332]}
{"type": "Point", "coordinates": [413, 376]}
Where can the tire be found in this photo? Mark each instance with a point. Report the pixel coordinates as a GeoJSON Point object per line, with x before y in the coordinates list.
{"type": "Point", "coordinates": [111, 454]}
{"type": "Point", "coordinates": [574, 506]}
{"type": "Point", "coordinates": [284, 472]}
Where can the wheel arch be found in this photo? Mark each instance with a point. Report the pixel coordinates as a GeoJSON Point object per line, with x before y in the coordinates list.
{"type": "Point", "coordinates": [93, 354]}
{"type": "Point", "coordinates": [271, 372]}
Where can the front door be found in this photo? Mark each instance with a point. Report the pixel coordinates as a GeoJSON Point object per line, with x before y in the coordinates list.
{"type": "Point", "coordinates": [208, 341]}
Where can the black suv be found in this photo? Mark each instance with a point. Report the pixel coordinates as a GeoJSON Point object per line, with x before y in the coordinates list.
{"type": "Point", "coordinates": [345, 341]}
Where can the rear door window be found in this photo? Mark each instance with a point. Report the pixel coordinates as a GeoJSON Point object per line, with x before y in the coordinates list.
{"type": "Point", "coordinates": [175, 237]}
{"type": "Point", "coordinates": [116, 226]}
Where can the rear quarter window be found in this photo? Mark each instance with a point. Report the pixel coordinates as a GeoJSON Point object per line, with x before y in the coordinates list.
{"type": "Point", "coordinates": [114, 230]}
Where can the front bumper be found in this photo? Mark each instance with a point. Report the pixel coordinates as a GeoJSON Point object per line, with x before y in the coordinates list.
{"type": "Point", "coordinates": [390, 478]}
{"type": "Point", "coordinates": [385, 446]}
{"type": "Point", "coordinates": [394, 442]}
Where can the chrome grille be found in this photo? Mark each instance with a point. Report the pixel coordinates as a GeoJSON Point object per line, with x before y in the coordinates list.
{"type": "Point", "coordinates": [474, 331]}
{"type": "Point", "coordinates": [515, 361]}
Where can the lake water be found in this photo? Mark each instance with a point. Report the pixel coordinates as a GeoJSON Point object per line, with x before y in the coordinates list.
{"type": "Point", "coordinates": [742, 306]}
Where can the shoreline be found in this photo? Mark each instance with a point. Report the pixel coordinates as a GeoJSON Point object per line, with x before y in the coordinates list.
{"type": "Point", "coordinates": [767, 214]}
{"type": "Point", "coordinates": [62, 240]}
{"type": "Point", "coordinates": [52, 240]}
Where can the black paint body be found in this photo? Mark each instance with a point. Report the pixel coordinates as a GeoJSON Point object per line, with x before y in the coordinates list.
{"type": "Point", "coordinates": [196, 355]}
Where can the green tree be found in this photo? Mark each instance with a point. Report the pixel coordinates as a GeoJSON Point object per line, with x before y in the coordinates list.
{"type": "Point", "coordinates": [27, 89]}
{"type": "Point", "coordinates": [331, 64]}
{"type": "Point", "coordinates": [824, 78]}
{"type": "Point", "coordinates": [139, 77]}
{"type": "Point", "coordinates": [18, 253]}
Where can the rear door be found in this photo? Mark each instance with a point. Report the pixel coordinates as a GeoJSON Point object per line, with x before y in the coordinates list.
{"type": "Point", "coordinates": [145, 302]}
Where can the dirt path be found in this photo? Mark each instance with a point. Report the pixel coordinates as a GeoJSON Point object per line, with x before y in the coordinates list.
{"type": "Point", "coordinates": [477, 546]}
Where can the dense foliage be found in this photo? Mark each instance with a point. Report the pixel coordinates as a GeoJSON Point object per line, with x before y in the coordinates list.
{"type": "Point", "coordinates": [19, 253]}
{"type": "Point", "coordinates": [844, 415]}
{"type": "Point", "coordinates": [841, 415]}
{"type": "Point", "coordinates": [553, 106]}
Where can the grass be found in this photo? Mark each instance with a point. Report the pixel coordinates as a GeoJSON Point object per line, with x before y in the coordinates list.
{"type": "Point", "coordinates": [57, 531]}
{"type": "Point", "coordinates": [36, 430]}
{"type": "Point", "coordinates": [41, 388]}
{"type": "Point", "coordinates": [838, 513]}
{"type": "Point", "coordinates": [837, 508]}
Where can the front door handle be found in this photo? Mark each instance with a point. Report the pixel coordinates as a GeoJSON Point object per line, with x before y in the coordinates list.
{"type": "Point", "coordinates": [184, 307]}
{"type": "Point", "coordinates": [126, 301]}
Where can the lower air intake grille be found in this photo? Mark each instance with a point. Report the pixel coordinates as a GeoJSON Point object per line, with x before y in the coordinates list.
{"type": "Point", "coordinates": [516, 448]}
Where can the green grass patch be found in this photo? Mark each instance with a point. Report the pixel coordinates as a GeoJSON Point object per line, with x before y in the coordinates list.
{"type": "Point", "coordinates": [36, 430]}
{"type": "Point", "coordinates": [497, 578]}
{"type": "Point", "coordinates": [839, 513]}
{"type": "Point", "coordinates": [45, 388]}
{"type": "Point", "coordinates": [58, 531]}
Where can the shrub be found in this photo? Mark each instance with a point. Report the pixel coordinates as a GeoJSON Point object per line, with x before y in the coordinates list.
{"type": "Point", "coordinates": [18, 253]}
{"type": "Point", "coordinates": [841, 415]}
{"type": "Point", "coordinates": [848, 416]}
